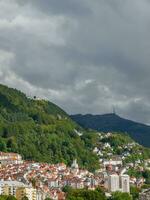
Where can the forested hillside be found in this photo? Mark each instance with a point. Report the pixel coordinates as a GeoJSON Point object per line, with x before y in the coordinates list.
{"type": "Point", "coordinates": [40, 130]}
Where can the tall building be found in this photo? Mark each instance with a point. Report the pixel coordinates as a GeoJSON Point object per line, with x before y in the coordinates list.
{"type": "Point", "coordinates": [125, 183]}
{"type": "Point", "coordinates": [75, 164]}
{"type": "Point", "coordinates": [75, 167]}
{"type": "Point", "coordinates": [113, 183]}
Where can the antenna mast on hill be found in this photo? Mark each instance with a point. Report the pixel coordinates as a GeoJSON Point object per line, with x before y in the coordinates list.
{"type": "Point", "coordinates": [114, 110]}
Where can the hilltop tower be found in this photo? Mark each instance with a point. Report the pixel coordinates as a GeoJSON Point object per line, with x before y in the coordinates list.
{"type": "Point", "coordinates": [75, 167]}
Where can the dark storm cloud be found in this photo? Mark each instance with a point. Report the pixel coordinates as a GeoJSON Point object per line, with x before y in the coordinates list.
{"type": "Point", "coordinates": [86, 56]}
{"type": "Point", "coordinates": [65, 7]}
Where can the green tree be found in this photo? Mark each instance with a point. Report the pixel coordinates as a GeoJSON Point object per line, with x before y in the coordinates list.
{"type": "Point", "coordinates": [47, 198]}
{"type": "Point", "coordinates": [67, 189]}
{"type": "Point", "coordinates": [84, 194]}
{"type": "Point", "coordinates": [11, 198]}
{"type": "Point", "coordinates": [75, 198]}
{"type": "Point", "coordinates": [146, 175]}
{"type": "Point", "coordinates": [134, 192]}
{"type": "Point", "coordinates": [2, 145]}
{"type": "Point", "coordinates": [3, 197]}
{"type": "Point", "coordinates": [25, 198]}
{"type": "Point", "coordinates": [121, 196]}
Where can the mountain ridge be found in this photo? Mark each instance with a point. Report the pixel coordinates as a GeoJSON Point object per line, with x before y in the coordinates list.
{"type": "Point", "coordinates": [111, 122]}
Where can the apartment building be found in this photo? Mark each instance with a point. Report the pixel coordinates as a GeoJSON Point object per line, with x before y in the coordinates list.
{"type": "Point", "coordinates": [125, 183]}
{"type": "Point", "coordinates": [10, 158]}
{"type": "Point", "coordinates": [115, 182]}
{"type": "Point", "coordinates": [17, 189]}
{"type": "Point", "coordinates": [29, 192]}
{"type": "Point", "coordinates": [9, 187]}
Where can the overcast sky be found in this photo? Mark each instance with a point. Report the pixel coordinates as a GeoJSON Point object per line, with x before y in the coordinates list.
{"type": "Point", "coordinates": [84, 55]}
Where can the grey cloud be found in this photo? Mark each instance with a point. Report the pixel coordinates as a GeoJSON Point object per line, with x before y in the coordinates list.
{"type": "Point", "coordinates": [65, 7]}
{"type": "Point", "coordinates": [84, 55]}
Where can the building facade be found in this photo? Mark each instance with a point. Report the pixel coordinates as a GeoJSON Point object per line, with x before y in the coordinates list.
{"type": "Point", "coordinates": [10, 158]}
{"type": "Point", "coordinates": [9, 187]}
{"type": "Point", "coordinates": [145, 195]}
{"type": "Point", "coordinates": [29, 192]}
{"type": "Point", "coordinates": [17, 189]}
{"type": "Point", "coordinates": [125, 183]}
{"type": "Point", "coordinates": [113, 183]}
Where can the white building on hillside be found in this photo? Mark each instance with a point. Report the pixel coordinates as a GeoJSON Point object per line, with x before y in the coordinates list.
{"type": "Point", "coordinates": [125, 183]}
{"type": "Point", "coordinates": [113, 183]}
{"type": "Point", "coordinates": [75, 167]}
{"type": "Point", "coordinates": [114, 161]}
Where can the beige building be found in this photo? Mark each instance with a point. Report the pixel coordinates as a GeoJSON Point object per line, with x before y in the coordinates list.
{"type": "Point", "coordinates": [10, 158]}
{"type": "Point", "coordinates": [29, 192]}
{"type": "Point", "coordinates": [9, 187]}
{"type": "Point", "coordinates": [17, 189]}
{"type": "Point", "coordinates": [6, 190]}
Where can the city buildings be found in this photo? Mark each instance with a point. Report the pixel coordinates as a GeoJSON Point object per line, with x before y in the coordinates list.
{"type": "Point", "coordinates": [49, 179]}
{"type": "Point", "coordinates": [145, 195]}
